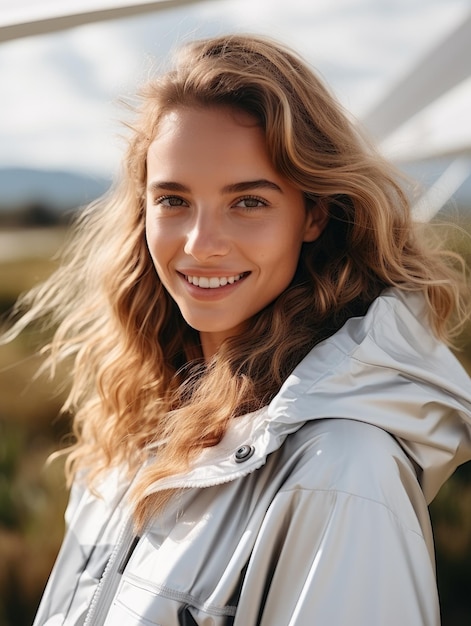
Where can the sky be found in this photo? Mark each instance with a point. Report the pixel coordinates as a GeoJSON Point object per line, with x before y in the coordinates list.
{"type": "Point", "coordinates": [61, 92]}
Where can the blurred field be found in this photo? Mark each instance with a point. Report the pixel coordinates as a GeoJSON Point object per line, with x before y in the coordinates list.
{"type": "Point", "coordinates": [33, 497]}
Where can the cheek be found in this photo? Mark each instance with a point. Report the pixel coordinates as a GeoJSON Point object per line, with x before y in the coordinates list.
{"type": "Point", "coordinates": [157, 242]}
{"type": "Point", "coordinates": [288, 249]}
{"type": "Point", "coordinates": [151, 243]}
{"type": "Point", "coordinates": [149, 232]}
{"type": "Point", "coordinates": [157, 255]}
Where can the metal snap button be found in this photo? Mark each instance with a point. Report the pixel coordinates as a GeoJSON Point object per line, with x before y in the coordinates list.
{"type": "Point", "coordinates": [244, 453]}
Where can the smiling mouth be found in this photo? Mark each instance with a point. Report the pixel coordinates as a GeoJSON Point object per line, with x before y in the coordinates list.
{"type": "Point", "coordinates": [214, 282]}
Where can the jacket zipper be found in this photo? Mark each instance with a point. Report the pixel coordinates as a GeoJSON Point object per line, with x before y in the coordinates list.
{"type": "Point", "coordinates": [106, 588]}
{"type": "Point", "coordinates": [127, 542]}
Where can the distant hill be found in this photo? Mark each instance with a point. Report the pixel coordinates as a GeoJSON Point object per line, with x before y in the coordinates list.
{"type": "Point", "coordinates": [41, 197]}
{"type": "Point", "coordinates": [428, 172]}
{"type": "Point", "coordinates": [57, 190]}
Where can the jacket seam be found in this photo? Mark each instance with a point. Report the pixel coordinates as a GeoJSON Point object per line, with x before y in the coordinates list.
{"type": "Point", "coordinates": [180, 596]}
{"type": "Point", "coordinates": [357, 497]}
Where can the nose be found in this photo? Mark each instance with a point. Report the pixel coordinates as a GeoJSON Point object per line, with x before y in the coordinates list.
{"type": "Point", "coordinates": [207, 237]}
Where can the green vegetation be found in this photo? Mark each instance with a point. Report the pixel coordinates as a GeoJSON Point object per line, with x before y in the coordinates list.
{"type": "Point", "coordinates": [33, 496]}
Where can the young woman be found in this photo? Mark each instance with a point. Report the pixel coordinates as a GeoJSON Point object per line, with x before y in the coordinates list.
{"type": "Point", "coordinates": [264, 398]}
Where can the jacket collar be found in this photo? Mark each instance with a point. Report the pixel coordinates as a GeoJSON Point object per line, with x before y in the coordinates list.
{"type": "Point", "coordinates": [385, 368]}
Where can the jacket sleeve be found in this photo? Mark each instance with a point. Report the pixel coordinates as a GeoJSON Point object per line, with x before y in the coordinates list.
{"type": "Point", "coordinates": [333, 557]}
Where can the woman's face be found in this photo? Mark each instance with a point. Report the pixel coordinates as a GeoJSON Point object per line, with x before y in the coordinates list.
{"type": "Point", "coordinates": [223, 227]}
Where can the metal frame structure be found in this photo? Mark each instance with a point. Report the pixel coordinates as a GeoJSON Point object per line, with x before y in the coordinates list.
{"type": "Point", "coordinates": [445, 67]}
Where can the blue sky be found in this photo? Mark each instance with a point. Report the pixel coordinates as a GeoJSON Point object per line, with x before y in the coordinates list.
{"type": "Point", "coordinates": [60, 92]}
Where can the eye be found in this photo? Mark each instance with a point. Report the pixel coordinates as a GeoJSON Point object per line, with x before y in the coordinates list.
{"type": "Point", "coordinates": [250, 202]}
{"type": "Point", "coordinates": [170, 201]}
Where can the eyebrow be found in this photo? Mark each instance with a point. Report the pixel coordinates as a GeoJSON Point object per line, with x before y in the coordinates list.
{"type": "Point", "coordinates": [252, 184]}
{"type": "Point", "coordinates": [241, 187]}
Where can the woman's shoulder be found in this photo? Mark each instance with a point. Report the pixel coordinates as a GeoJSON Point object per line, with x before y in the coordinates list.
{"type": "Point", "coordinates": [353, 458]}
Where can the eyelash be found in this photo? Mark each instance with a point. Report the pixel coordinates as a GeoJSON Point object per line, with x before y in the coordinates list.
{"type": "Point", "coordinates": [261, 201]}
{"type": "Point", "coordinates": [162, 199]}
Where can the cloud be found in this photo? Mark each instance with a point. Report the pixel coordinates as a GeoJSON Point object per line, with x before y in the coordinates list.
{"type": "Point", "coordinates": [60, 91]}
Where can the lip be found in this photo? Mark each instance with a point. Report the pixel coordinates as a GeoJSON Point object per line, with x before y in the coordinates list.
{"type": "Point", "coordinates": [218, 273]}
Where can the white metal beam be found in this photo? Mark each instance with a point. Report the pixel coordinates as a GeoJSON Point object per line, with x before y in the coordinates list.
{"type": "Point", "coordinates": [17, 20]}
{"type": "Point", "coordinates": [444, 68]}
{"type": "Point", "coordinates": [436, 196]}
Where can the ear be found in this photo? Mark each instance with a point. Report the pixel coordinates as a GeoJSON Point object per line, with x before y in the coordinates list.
{"type": "Point", "coordinates": [317, 217]}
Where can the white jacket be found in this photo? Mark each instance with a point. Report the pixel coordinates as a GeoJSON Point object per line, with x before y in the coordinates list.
{"type": "Point", "coordinates": [310, 512]}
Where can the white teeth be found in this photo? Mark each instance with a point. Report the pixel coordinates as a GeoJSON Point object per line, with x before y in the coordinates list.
{"type": "Point", "coordinates": [214, 282]}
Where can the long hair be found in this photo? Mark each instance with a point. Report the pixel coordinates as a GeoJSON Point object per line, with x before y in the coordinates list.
{"type": "Point", "coordinates": [138, 378]}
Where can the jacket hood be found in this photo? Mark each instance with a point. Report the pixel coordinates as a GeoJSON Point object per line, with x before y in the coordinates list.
{"type": "Point", "coordinates": [388, 369]}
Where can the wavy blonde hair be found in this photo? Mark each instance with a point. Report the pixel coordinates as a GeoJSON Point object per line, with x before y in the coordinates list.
{"type": "Point", "coordinates": [137, 374]}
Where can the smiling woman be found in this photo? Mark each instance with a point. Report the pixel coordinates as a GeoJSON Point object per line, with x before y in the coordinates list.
{"type": "Point", "coordinates": [264, 402]}
{"type": "Point", "coordinates": [244, 248]}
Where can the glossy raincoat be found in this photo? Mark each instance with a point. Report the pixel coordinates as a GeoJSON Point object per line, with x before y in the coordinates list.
{"type": "Point", "coordinates": [311, 511]}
